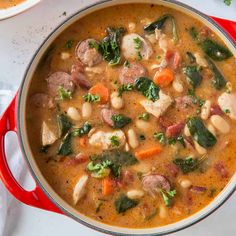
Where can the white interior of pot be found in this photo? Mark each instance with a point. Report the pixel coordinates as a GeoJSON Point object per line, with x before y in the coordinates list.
{"type": "Point", "coordinates": [47, 188]}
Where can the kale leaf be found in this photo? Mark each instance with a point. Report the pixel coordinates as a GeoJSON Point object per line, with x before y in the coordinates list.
{"type": "Point", "coordinates": [120, 120]}
{"type": "Point", "coordinates": [200, 133]}
{"type": "Point", "coordinates": [215, 50]}
{"type": "Point", "coordinates": [123, 203]}
{"type": "Point", "coordinates": [82, 130]}
{"type": "Point", "coordinates": [148, 88]}
{"type": "Point", "coordinates": [219, 81]}
{"type": "Point", "coordinates": [65, 147]}
{"type": "Point", "coordinates": [193, 74]}
{"type": "Point", "coordinates": [63, 124]}
{"type": "Point", "coordinates": [188, 164]}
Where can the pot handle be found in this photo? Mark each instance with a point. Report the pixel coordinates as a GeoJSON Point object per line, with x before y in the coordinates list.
{"type": "Point", "coordinates": [228, 25]}
{"type": "Point", "coordinates": [36, 197]}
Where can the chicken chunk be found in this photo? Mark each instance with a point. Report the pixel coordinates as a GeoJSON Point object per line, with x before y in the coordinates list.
{"type": "Point", "coordinates": [80, 188]}
{"type": "Point", "coordinates": [103, 139]}
{"type": "Point", "coordinates": [227, 103]}
{"type": "Point", "coordinates": [48, 136]}
{"type": "Point", "coordinates": [158, 107]}
{"type": "Point", "coordinates": [130, 48]}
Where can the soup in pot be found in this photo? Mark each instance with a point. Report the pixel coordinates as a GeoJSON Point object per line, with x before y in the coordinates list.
{"type": "Point", "coordinates": [131, 115]}
{"type": "Point", "coordinates": [9, 3]}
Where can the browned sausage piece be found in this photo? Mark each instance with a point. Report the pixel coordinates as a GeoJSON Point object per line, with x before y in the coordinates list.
{"type": "Point", "coordinates": [87, 55]}
{"type": "Point", "coordinates": [129, 74]}
{"type": "Point", "coordinates": [78, 76]}
{"type": "Point", "coordinates": [198, 189]}
{"type": "Point", "coordinates": [41, 100]}
{"type": "Point", "coordinates": [107, 115]}
{"type": "Point", "coordinates": [175, 130]}
{"type": "Point", "coordinates": [154, 183]}
{"type": "Point", "coordinates": [59, 79]}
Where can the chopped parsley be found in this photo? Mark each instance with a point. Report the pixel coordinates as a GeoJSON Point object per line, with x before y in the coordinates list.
{"type": "Point", "coordinates": [228, 2]}
{"type": "Point", "coordinates": [139, 56]}
{"type": "Point", "coordinates": [167, 196]}
{"type": "Point", "coordinates": [115, 141]}
{"type": "Point", "coordinates": [69, 44]}
{"type": "Point", "coordinates": [64, 94]}
{"type": "Point", "coordinates": [163, 140]}
{"type": "Point", "coordinates": [188, 164]}
{"type": "Point", "coordinates": [82, 130]}
{"type": "Point", "coordinates": [91, 98]}
{"type": "Point", "coordinates": [127, 64]}
{"type": "Point", "coordinates": [226, 111]}
{"type": "Point", "coordinates": [120, 120]}
{"type": "Point", "coordinates": [159, 136]}
{"type": "Point", "coordinates": [123, 88]}
{"type": "Point", "coordinates": [137, 43]}
{"type": "Point", "coordinates": [144, 116]}
{"type": "Point", "coordinates": [99, 170]}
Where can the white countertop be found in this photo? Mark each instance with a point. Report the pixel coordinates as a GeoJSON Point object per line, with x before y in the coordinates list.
{"type": "Point", "coordinates": [20, 36]}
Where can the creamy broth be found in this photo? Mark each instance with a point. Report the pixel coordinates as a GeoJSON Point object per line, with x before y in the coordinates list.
{"type": "Point", "coordinates": [165, 193]}
{"type": "Point", "coordinates": [9, 3]}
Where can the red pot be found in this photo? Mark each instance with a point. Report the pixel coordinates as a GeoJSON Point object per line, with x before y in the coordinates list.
{"type": "Point", "coordinates": [43, 196]}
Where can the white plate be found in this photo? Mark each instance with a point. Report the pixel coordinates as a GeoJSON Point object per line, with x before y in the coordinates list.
{"type": "Point", "coordinates": [12, 11]}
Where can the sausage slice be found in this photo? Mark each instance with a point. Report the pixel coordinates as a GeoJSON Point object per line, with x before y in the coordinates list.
{"type": "Point", "coordinates": [87, 55]}
{"type": "Point", "coordinates": [107, 116]}
{"type": "Point", "coordinates": [154, 183]}
{"type": "Point", "coordinates": [59, 79]}
{"type": "Point", "coordinates": [129, 74]}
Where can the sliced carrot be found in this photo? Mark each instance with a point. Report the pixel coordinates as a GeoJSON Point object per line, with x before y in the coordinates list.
{"type": "Point", "coordinates": [163, 77]}
{"type": "Point", "coordinates": [148, 153]}
{"type": "Point", "coordinates": [102, 91]}
{"type": "Point", "coordinates": [83, 142]}
{"type": "Point", "coordinates": [107, 186]}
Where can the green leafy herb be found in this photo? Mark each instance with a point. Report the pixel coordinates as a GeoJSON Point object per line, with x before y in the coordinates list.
{"type": "Point", "coordinates": [120, 120]}
{"type": "Point", "coordinates": [123, 203]}
{"type": "Point", "coordinates": [219, 81]}
{"type": "Point", "coordinates": [188, 164]}
{"type": "Point", "coordinates": [64, 94]}
{"type": "Point", "coordinates": [215, 50]}
{"type": "Point", "coordinates": [200, 133]}
{"type": "Point", "coordinates": [99, 170]}
{"type": "Point", "coordinates": [226, 111]}
{"type": "Point", "coordinates": [167, 196]}
{"type": "Point", "coordinates": [191, 57]}
{"type": "Point", "coordinates": [144, 116]}
{"type": "Point", "coordinates": [171, 141]}
{"type": "Point", "coordinates": [160, 137]}
{"type": "Point", "coordinates": [139, 56]}
{"type": "Point", "coordinates": [195, 99]}
{"type": "Point", "coordinates": [159, 24]}
{"type": "Point", "coordinates": [65, 147]}
{"type": "Point", "coordinates": [193, 74]}
{"type": "Point", "coordinates": [115, 141]}
{"type": "Point", "coordinates": [194, 33]}
{"type": "Point", "coordinates": [82, 130]}
{"type": "Point", "coordinates": [69, 44]}
{"type": "Point", "coordinates": [123, 88]}
{"type": "Point", "coordinates": [64, 124]}
{"type": "Point", "coordinates": [94, 44]}
{"type": "Point", "coordinates": [138, 43]}
{"type": "Point", "coordinates": [148, 88]}
{"type": "Point", "coordinates": [91, 98]}
{"type": "Point", "coordinates": [116, 158]}
{"type": "Point", "coordinates": [228, 2]}
{"type": "Point", "coordinates": [110, 46]}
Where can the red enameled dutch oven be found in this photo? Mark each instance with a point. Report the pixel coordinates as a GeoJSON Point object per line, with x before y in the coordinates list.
{"type": "Point", "coordinates": [43, 196]}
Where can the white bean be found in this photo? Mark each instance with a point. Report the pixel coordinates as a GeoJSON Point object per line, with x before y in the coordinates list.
{"type": "Point", "coordinates": [132, 138]}
{"type": "Point", "coordinates": [201, 150]}
{"type": "Point", "coordinates": [201, 61]}
{"type": "Point", "coordinates": [73, 113]}
{"type": "Point", "coordinates": [211, 128]}
{"type": "Point", "coordinates": [127, 147]}
{"type": "Point", "coordinates": [186, 131]}
{"type": "Point", "coordinates": [86, 110]}
{"type": "Point", "coordinates": [65, 55]}
{"type": "Point", "coordinates": [162, 212]}
{"type": "Point", "coordinates": [131, 26]}
{"type": "Point", "coordinates": [135, 194]}
{"type": "Point", "coordinates": [206, 109]}
{"type": "Point", "coordinates": [185, 183]}
{"type": "Point", "coordinates": [116, 101]}
{"type": "Point", "coordinates": [143, 125]}
{"type": "Point", "coordinates": [177, 85]}
{"type": "Point", "coordinates": [220, 124]}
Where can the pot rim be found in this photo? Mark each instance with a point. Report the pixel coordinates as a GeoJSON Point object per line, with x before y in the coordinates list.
{"type": "Point", "coordinates": [94, 224]}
